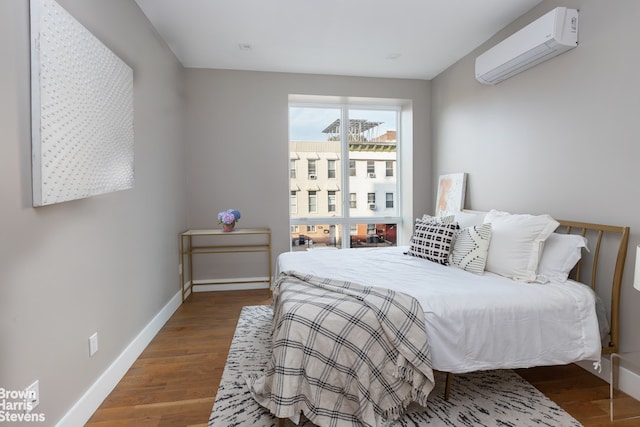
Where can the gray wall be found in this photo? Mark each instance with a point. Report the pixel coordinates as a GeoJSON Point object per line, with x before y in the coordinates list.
{"type": "Point", "coordinates": [107, 263]}
{"type": "Point", "coordinates": [560, 138]}
{"type": "Point", "coordinates": [237, 136]}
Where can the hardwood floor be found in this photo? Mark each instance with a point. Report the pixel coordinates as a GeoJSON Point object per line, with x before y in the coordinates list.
{"type": "Point", "coordinates": [175, 379]}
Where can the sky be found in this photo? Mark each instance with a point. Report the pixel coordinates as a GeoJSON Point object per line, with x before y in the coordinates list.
{"type": "Point", "coordinates": [307, 124]}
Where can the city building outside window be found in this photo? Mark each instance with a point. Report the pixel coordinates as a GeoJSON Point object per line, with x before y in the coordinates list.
{"type": "Point", "coordinates": [313, 202]}
{"type": "Point", "coordinates": [331, 168]}
{"type": "Point", "coordinates": [311, 167]}
{"type": "Point", "coordinates": [371, 168]}
{"type": "Point", "coordinates": [294, 201]}
{"type": "Point", "coordinates": [389, 200]}
{"type": "Point", "coordinates": [353, 200]}
{"type": "Point", "coordinates": [331, 201]}
{"type": "Point", "coordinates": [348, 141]}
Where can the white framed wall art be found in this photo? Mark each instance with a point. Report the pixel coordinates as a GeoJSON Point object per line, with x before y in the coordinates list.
{"type": "Point", "coordinates": [81, 108]}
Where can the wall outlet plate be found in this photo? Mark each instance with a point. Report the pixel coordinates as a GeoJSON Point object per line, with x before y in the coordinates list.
{"type": "Point", "coordinates": [93, 344]}
{"type": "Point", "coordinates": [32, 397]}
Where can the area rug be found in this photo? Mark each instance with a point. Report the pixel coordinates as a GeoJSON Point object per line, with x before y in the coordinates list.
{"type": "Point", "coordinates": [490, 398]}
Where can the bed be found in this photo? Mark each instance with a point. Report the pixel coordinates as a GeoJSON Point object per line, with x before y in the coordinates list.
{"type": "Point", "coordinates": [492, 316]}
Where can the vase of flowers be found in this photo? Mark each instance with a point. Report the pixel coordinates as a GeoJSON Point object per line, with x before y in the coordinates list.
{"type": "Point", "coordinates": [228, 219]}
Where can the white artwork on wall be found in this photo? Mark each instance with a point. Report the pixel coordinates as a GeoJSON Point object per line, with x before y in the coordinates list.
{"type": "Point", "coordinates": [81, 110]}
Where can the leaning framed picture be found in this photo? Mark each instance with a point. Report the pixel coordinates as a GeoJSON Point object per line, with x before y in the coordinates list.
{"type": "Point", "coordinates": [451, 192]}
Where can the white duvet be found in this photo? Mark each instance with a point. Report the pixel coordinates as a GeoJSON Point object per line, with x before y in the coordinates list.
{"type": "Point", "coordinates": [474, 322]}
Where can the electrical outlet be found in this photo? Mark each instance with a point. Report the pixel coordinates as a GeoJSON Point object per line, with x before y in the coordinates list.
{"type": "Point", "coordinates": [93, 344]}
{"type": "Point", "coordinates": [32, 397]}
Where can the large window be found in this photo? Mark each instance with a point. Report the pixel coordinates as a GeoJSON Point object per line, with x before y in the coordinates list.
{"type": "Point", "coordinates": [351, 154]}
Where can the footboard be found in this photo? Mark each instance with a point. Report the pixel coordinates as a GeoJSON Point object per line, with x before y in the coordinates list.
{"type": "Point", "coordinates": [586, 271]}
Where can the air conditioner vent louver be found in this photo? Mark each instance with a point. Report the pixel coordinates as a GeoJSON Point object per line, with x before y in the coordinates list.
{"type": "Point", "coordinates": [548, 36]}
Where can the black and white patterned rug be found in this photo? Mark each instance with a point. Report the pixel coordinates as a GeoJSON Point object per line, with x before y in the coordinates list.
{"type": "Point", "coordinates": [491, 398]}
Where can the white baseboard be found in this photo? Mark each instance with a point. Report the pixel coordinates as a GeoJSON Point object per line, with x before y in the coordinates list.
{"type": "Point", "coordinates": [235, 284]}
{"type": "Point", "coordinates": [629, 381]}
{"type": "Point", "coordinates": [84, 408]}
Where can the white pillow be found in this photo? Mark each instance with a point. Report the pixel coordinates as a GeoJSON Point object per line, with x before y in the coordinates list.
{"type": "Point", "coordinates": [516, 243]}
{"type": "Point", "coordinates": [469, 219]}
{"type": "Point", "coordinates": [470, 248]}
{"type": "Point", "coordinates": [560, 254]}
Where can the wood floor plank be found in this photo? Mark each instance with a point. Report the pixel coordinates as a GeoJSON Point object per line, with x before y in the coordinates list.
{"type": "Point", "coordinates": [174, 381]}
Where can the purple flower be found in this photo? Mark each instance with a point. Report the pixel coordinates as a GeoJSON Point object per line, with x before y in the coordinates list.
{"type": "Point", "coordinates": [229, 216]}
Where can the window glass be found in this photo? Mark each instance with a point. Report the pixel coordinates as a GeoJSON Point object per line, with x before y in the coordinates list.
{"type": "Point", "coordinates": [316, 237]}
{"type": "Point", "coordinates": [372, 235]}
{"type": "Point", "coordinates": [320, 136]}
{"type": "Point", "coordinates": [294, 202]}
{"type": "Point", "coordinates": [292, 169]}
{"type": "Point", "coordinates": [331, 166]}
{"type": "Point", "coordinates": [313, 202]}
{"type": "Point", "coordinates": [331, 201]}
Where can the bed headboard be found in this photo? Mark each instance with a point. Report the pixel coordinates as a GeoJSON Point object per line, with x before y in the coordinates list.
{"type": "Point", "coordinates": [595, 234]}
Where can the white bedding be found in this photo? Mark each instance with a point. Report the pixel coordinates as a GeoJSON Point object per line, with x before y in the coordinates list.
{"type": "Point", "coordinates": [474, 322]}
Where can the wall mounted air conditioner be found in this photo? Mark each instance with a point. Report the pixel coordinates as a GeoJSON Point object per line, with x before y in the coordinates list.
{"type": "Point", "coordinates": [548, 36]}
{"type": "Point", "coordinates": [372, 175]}
{"type": "Point", "coordinates": [372, 206]}
{"type": "Point", "coordinates": [312, 177]}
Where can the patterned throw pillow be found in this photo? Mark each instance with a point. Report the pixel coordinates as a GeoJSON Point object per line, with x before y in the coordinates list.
{"type": "Point", "coordinates": [471, 247]}
{"type": "Point", "coordinates": [449, 219]}
{"type": "Point", "coordinates": [432, 241]}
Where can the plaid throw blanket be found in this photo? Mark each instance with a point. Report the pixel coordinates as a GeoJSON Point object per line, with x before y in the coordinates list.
{"type": "Point", "coordinates": [343, 354]}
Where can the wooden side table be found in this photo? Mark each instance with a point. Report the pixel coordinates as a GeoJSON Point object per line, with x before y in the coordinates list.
{"type": "Point", "coordinates": [230, 242]}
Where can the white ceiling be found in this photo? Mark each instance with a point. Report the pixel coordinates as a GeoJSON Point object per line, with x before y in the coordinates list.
{"type": "Point", "coordinates": [376, 38]}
